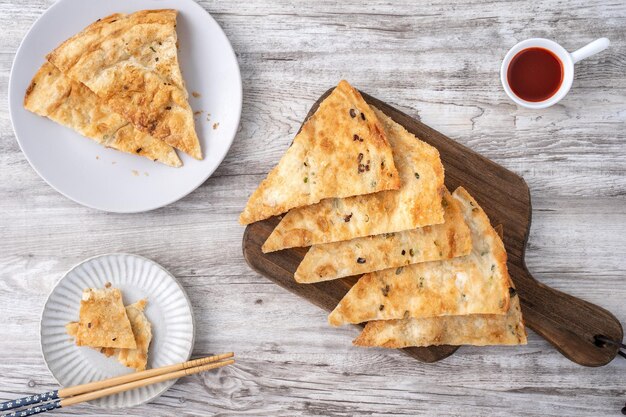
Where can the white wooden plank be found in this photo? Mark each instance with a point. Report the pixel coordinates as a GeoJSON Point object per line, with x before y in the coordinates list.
{"type": "Point", "coordinates": [438, 62]}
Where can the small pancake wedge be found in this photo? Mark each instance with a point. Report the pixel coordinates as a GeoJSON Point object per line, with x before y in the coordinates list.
{"type": "Point", "coordinates": [103, 321]}
{"type": "Point", "coordinates": [130, 61]}
{"type": "Point", "coordinates": [142, 329]}
{"type": "Point", "coordinates": [329, 261]}
{"type": "Point", "coordinates": [474, 284]}
{"type": "Point", "coordinates": [472, 329]}
{"type": "Point", "coordinates": [340, 151]}
{"type": "Point", "coordinates": [416, 204]}
{"type": "Point", "coordinates": [69, 103]}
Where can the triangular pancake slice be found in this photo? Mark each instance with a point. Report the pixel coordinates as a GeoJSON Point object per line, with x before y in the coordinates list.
{"type": "Point", "coordinates": [142, 330]}
{"type": "Point", "coordinates": [103, 321]}
{"type": "Point", "coordinates": [69, 103]}
{"type": "Point", "coordinates": [340, 151]}
{"type": "Point", "coordinates": [473, 329]}
{"type": "Point", "coordinates": [329, 261]}
{"type": "Point", "coordinates": [474, 284]}
{"type": "Point", "coordinates": [130, 61]}
{"type": "Point", "coordinates": [417, 203]}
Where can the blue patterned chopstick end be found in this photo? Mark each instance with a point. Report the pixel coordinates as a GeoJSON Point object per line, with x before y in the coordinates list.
{"type": "Point", "coordinates": [30, 400]}
{"type": "Point", "coordinates": [35, 410]}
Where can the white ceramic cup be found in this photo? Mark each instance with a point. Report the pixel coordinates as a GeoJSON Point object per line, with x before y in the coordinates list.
{"type": "Point", "coordinates": [568, 60]}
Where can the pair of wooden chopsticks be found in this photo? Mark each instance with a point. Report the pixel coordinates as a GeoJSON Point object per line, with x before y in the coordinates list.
{"type": "Point", "coordinates": [80, 393]}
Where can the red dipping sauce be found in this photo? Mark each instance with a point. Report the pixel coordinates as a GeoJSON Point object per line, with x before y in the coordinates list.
{"type": "Point", "coordinates": [535, 74]}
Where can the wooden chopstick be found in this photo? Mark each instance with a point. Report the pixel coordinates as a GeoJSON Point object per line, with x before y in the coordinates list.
{"type": "Point", "coordinates": [86, 392]}
{"type": "Point", "coordinates": [66, 402]}
{"type": "Point", "coordinates": [118, 380]}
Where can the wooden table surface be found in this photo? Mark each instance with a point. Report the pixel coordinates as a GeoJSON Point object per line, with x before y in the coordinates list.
{"type": "Point", "coordinates": [438, 62]}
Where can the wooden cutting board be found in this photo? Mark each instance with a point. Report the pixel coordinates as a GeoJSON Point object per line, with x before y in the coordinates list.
{"type": "Point", "coordinates": [568, 323]}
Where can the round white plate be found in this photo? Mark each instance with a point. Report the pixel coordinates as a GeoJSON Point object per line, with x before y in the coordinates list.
{"type": "Point", "coordinates": [168, 310]}
{"type": "Point", "coordinates": [109, 180]}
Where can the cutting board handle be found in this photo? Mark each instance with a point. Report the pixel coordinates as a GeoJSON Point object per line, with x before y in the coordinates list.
{"type": "Point", "coordinates": [568, 323]}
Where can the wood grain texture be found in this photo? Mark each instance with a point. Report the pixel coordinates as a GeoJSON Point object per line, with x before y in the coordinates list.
{"type": "Point", "coordinates": [435, 61]}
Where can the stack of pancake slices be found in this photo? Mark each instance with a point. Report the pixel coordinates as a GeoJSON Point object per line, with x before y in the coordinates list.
{"type": "Point", "coordinates": [106, 325]}
{"type": "Point", "coordinates": [369, 199]}
{"type": "Point", "coordinates": [118, 82]}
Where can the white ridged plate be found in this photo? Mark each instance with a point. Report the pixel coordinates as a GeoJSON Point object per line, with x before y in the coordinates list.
{"type": "Point", "coordinates": [111, 180]}
{"type": "Point", "coordinates": [168, 309]}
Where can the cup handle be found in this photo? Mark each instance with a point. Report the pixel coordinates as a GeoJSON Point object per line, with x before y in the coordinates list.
{"type": "Point", "coordinates": [592, 48]}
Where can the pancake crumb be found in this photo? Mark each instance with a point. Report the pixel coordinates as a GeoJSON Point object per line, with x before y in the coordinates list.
{"type": "Point", "coordinates": [97, 157]}
{"type": "Point", "coordinates": [195, 94]}
{"type": "Point", "coordinates": [135, 172]}
{"type": "Point", "coordinates": [216, 125]}
{"type": "Point", "coordinates": [197, 112]}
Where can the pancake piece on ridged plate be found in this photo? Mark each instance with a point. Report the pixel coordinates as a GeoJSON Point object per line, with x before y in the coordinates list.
{"type": "Point", "coordinates": [69, 103]}
{"type": "Point", "coordinates": [474, 284]}
{"type": "Point", "coordinates": [102, 320]}
{"type": "Point", "coordinates": [130, 61]}
{"type": "Point", "coordinates": [142, 330]}
{"type": "Point", "coordinates": [417, 203]}
{"type": "Point", "coordinates": [341, 151]}
{"type": "Point", "coordinates": [329, 261]}
{"type": "Point", "coordinates": [472, 329]}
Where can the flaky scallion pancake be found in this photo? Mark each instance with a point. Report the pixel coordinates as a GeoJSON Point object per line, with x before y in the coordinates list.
{"type": "Point", "coordinates": [416, 204]}
{"type": "Point", "coordinates": [142, 330]}
{"type": "Point", "coordinates": [69, 103]}
{"type": "Point", "coordinates": [340, 151]}
{"type": "Point", "coordinates": [472, 329]}
{"type": "Point", "coordinates": [474, 284]}
{"type": "Point", "coordinates": [102, 320]}
{"type": "Point", "coordinates": [390, 250]}
{"type": "Point", "coordinates": [130, 61]}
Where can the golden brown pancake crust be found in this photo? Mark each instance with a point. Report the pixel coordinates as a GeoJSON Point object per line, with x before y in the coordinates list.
{"type": "Point", "coordinates": [130, 62]}
{"type": "Point", "coordinates": [341, 151]}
